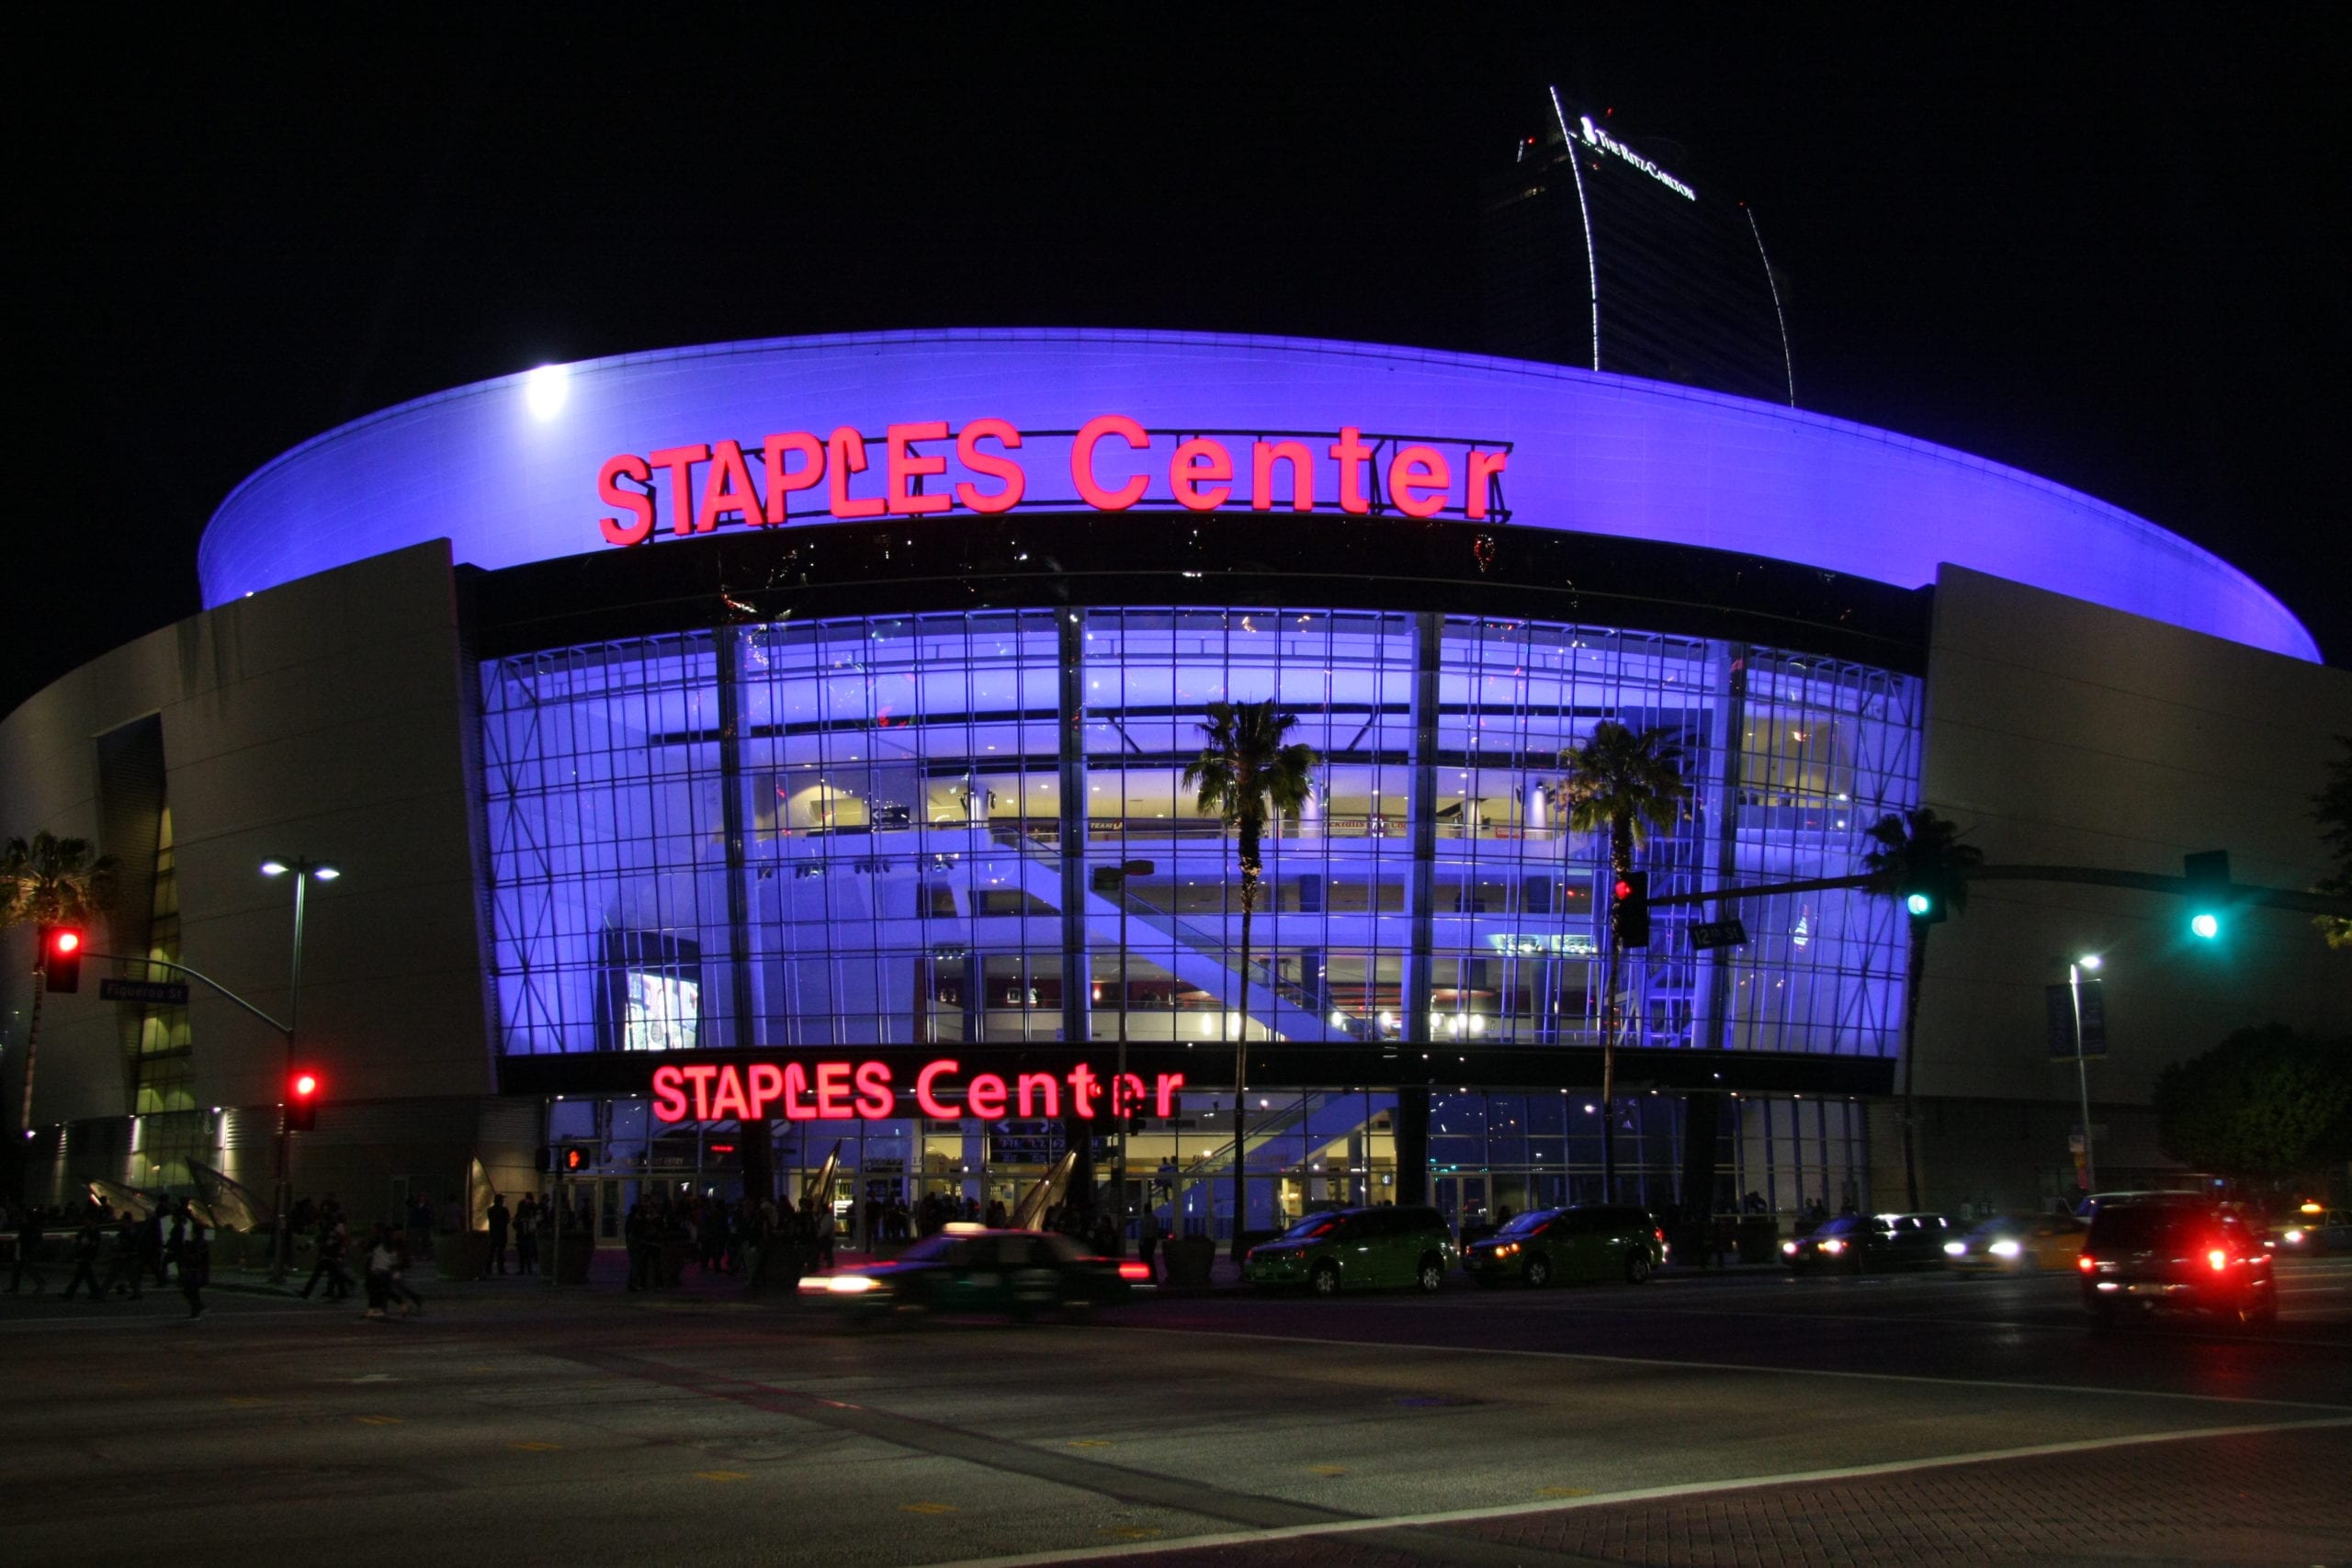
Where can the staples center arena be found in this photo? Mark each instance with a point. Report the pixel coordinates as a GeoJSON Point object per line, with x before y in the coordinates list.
{"type": "Point", "coordinates": [755, 750]}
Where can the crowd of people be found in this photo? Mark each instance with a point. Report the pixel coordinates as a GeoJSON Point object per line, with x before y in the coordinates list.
{"type": "Point", "coordinates": [172, 1238]}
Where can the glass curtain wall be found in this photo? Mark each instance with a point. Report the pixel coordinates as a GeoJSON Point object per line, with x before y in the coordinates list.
{"type": "Point", "coordinates": [855, 832]}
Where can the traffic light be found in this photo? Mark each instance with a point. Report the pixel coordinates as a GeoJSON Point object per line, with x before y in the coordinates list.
{"type": "Point", "coordinates": [60, 957]}
{"type": "Point", "coordinates": [2208, 875]}
{"type": "Point", "coordinates": [1629, 908]}
{"type": "Point", "coordinates": [303, 1087]}
{"type": "Point", "coordinates": [1927, 900]}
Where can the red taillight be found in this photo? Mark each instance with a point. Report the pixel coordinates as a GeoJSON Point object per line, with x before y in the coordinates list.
{"type": "Point", "coordinates": [1660, 1233]}
{"type": "Point", "coordinates": [2084, 1261]}
{"type": "Point", "coordinates": [1133, 1269]}
{"type": "Point", "coordinates": [2218, 1258]}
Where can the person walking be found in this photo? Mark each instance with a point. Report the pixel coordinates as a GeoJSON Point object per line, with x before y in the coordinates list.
{"type": "Point", "coordinates": [196, 1266]}
{"type": "Point", "coordinates": [334, 1243]}
{"type": "Point", "coordinates": [501, 1220]}
{"type": "Point", "coordinates": [526, 1235]}
{"type": "Point", "coordinates": [30, 1238]}
{"type": "Point", "coordinates": [150, 1250]}
{"type": "Point", "coordinates": [125, 1265]}
{"type": "Point", "coordinates": [87, 1243]}
{"type": "Point", "coordinates": [1148, 1240]}
{"type": "Point", "coordinates": [383, 1257]}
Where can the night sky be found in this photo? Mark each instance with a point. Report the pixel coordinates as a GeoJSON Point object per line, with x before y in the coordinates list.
{"type": "Point", "coordinates": [2108, 249]}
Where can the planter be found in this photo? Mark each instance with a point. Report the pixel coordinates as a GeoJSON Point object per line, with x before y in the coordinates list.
{"type": "Point", "coordinates": [1759, 1240]}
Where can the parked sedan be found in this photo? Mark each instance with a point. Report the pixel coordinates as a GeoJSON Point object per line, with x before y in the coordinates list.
{"type": "Point", "coordinates": [966, 1269]}
{"type": "Point", "coordinates": [1595, 1241]}
{"type": "Point", "coordinates": [1862, 1242]}
{"type": "Point", "coordinates": [2017, 1244]}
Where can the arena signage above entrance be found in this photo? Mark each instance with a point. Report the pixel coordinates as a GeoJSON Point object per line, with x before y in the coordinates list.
{"type": "Point", "coordinates": [988, 465]}
{"type": "Point", "coordinates": [869, 1091]}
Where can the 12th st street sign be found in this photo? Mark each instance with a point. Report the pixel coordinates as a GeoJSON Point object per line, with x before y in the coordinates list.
{"type": "Point", "coordinates": [153, 993]}
{"type": "Point", "coordinates": [1729, 932]}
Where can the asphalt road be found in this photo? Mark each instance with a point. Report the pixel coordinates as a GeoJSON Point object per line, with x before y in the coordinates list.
{"type": "Point", "coordinates": [1730, 1418]}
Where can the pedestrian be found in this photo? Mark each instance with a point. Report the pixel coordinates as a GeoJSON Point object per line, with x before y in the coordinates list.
{"type": "Point", "coordinates": [501, 1217]}
{"type": "Point", "coordinates": [1148, 1241]}
{"type": "Point", "coordinates": [150, 1249]}
{"type": "Point", "coordinates": [124, 1266]}
{"type": "Point", "coordinates": [825, 1229]}
{"type": "Point", "coordinates": [526, 1235]}
{"type": "Point", "coordinates": [30, 1238]}
{"type": "Point", "coordinates": [334, 1241]}
{"type": "Point", "coordinates": [398, 1287]}
{"type": "Point", "coordinates": [383, 1258]}
{"type": "Point", "coordinates": [87, 1243]}
{"type": "Point", "coordinates": [196, 1266]}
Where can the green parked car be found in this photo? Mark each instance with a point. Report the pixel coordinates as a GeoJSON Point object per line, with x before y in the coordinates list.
{"type": "Point", "coordinates": [1549, 1246]}
{"type": "Point", "coordinates": [1355, 1249]}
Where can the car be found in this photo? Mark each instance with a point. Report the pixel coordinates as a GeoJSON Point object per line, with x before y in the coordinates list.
{"type": "Point", "coordinates": [2089, 1207]}
{"type": "Point", "coordinates": [2017, 1244]}
{"type": "Point", "coordinates": [971, 1268]}
{"type": "Point", "coordinates": [1592, 1241]}
{"type": "Point", "coordinates": [1864, 1242]}
{"type": "Point", "coordinates": [2169, 1255]}
{"type": "Point", "coordinates": [2312, 1228]}
{"type": "Point", "coordinates": [1356, 1249]}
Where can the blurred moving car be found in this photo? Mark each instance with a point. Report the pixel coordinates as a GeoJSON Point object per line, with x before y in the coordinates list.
{"type": "Point", "coordinates": [1862, 1242]}
{"type": "Point", "coordinates": [2160, 1254]}
{"type": "Point", "coordinates": [2017, 1244]}
{"type": "Point", "coordinates": [1356, 1248]}
{"type": "Point", "coordinates": [2312, 1228]}
{"type": "Point", "coordinates": [969, 1269]}
{"type": "Point", "coordinates": [2087, 1208]}
{"type": "Point", "coordinates": [1593, 1241]}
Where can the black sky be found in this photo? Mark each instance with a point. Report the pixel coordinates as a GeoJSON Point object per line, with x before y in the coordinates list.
{"type": "Point", "coordinates": [2107, 247]}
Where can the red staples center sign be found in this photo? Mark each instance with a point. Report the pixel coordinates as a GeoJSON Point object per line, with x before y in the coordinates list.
{"type": "Point", "coordinates": [987, 467]}
{"type": "Point", "coordinates": [869, 1091]}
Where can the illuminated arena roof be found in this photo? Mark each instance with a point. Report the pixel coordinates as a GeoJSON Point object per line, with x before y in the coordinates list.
{"type": "Point", "coordinates": [508, 469]}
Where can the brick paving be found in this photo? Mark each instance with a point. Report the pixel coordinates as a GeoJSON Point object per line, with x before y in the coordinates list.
{"type": "Point", "coordinates": [2276, 1497]}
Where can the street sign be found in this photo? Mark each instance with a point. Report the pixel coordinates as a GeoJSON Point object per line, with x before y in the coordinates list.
{"type": "Point", "coordinates": [1718, 933]}
{"type": "Point", "coordinates": [2061, 1001]}
{"type": "Point", "coordinates": [153, 993]}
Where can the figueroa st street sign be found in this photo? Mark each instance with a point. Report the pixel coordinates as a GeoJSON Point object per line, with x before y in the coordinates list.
{"type": "Point", "coordinates": [1112, 464]}
{"type": "Point", "coordinates": [868, 1091]}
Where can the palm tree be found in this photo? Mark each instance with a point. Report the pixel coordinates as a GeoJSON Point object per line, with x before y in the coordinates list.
{"type": "Point", "coordinates": [1620, 784]}
{"type": "Point", "coordinates": [50, 881]}
{"type": "Point", "coordinates": [1918, 850]}
{"type": "Point", "coordinates": [1246, 776]}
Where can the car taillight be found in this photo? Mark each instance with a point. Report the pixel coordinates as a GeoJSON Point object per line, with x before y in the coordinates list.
{"type": "Point", "coordinates": [2218, 1258]}
{"type": "Point", "coordinates": [2086, 1262]}
{"type": "Point", "coordinates": [1660, 1235]}
{"type": "Point", "coordinates": [1134, 1269]}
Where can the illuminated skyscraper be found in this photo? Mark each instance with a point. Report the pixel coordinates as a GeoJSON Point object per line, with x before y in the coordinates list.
{"type": "Point", "coordinates": [1602, 253]}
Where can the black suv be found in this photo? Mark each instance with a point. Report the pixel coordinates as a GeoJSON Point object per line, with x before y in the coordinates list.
{"type": "Point", "coordinates": [2175, 1255]}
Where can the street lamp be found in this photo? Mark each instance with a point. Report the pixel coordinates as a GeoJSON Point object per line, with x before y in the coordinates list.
{"type": "Point", "coordinates": [2087, 963]}
{"type": "Point", "coordinates": [304, 872]}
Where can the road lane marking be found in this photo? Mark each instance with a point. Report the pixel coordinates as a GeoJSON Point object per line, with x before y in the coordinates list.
{"type": "Point", "coordinates": [929, 1508]}
{"type": "Point", "coordinates": [1088, 1443]}
{"type": "Point", "coordinates": [536, 1448]}
{"type": "Point", "coordinates": [1725, 1366]}
{"type": "Point", "coordinates": [1634, 1495]}
{"type": "Point", "coordinates": [377, 1420]}
{"type": "Point", "coordinates": [721, 1475]}
{"type": "Point", "coordinates": [1564, 1492]}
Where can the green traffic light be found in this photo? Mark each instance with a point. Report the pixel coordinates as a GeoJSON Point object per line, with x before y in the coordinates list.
{"type": "Point", "coordinates": [1918, 903]}
{"type": "Point", "coordinates": [2206, 926]}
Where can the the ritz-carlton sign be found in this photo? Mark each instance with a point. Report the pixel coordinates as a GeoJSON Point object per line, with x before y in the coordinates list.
{"type": "Point", "coordinates": [1112, 461]}
{"type": "Point", "coordinates": [868, 1091]}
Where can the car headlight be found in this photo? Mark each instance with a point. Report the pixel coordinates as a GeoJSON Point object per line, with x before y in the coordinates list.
{"type": "Point", "coordinates": [1957, 1249]}
{"type": "Point", "coordinates": [1507, 1249]}
{"type": "Point", "coordinates": [2005, 1250]}
{"type": "Point", "coordinates": [1789, 1247]}
{"type": "Point", "coordinates": [849, 1284]}
{"type": "Point", "coordinates": [1833, 1247]}
{"type": "Point", "coordinates": [2293, 1238]}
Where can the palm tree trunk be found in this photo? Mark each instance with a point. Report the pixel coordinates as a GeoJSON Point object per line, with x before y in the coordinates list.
{"type": "Point", "coordinates": [1916, 971]}
{"type": "Point", "coordinates": [1241, 1066]}
{"type": "Point", "coordinates": [32, 1044]}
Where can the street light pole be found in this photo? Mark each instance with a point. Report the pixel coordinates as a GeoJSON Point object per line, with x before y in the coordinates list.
{"type": "Point", "coordinates": [2082, 1073]}
{"type": "Point", "coordinates": [282, 1242]}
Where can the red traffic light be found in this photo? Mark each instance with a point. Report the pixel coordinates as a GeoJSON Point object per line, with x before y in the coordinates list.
{"type": "Point", "coordinates": [305, 1085]}
{"type": "Point", "coordinates": [65, 941]}
{"type": "Point", "coordinates": [60, 957]}
{"type": "Point", "coordinates": [1623, 890]}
